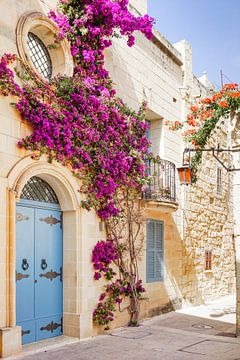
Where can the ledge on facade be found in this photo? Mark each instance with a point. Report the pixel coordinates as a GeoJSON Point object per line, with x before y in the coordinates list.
{"type": "Point", "coordinates": [163, 44]}
{"type": "Point", "coordinates": [160, 206]}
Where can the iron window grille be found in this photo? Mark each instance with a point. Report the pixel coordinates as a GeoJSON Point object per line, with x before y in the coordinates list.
{"type": "Point", "coordinates": [39, 56]}
{"type": "Point", "coordinates": [37, 189]}
{"type": "Point", "coordinates": [219, 180]}
{"type": "Point", "coordinates": [208, 260]}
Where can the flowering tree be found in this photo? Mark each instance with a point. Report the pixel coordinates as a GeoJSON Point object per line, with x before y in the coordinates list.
{"type": "Point", "coordinates": [204, 116]}
{"type": "Point", "coordinates": [121, 253]}
{"type": "Point", "coordinates": [79, 122]}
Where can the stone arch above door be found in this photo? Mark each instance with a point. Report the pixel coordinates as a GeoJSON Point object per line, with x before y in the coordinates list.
{"type": "Point", "coordinates": [66, 188]}
{"type": "Point", "coordinates": [57, 176]}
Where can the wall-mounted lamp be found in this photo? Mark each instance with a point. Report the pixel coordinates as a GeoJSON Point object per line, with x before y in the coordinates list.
{"type": "Point", "coordinates": [185, 171]}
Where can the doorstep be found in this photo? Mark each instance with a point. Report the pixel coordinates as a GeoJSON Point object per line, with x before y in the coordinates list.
{"type": "Point", "coordinates": [44, 346]}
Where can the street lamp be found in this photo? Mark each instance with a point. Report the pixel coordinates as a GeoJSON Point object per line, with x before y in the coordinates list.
{"type": "Point", "coordinates": [185, 171]}
{"type": "Point", "coordinates": [185, 174]}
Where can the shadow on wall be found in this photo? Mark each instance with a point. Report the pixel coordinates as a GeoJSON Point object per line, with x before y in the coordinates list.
{"type": "Point", "coordinates": [180, 281]}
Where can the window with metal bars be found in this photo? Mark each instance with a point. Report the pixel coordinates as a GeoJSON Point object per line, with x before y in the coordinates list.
{"type": "Point", "coordinates": [39, 56]}
{"type": "Point", "coordinates": [219, 180]}
{"type": "Point", "coordinates": [208, 260]}
{"type": "Point", "coordinates": [37, 189]}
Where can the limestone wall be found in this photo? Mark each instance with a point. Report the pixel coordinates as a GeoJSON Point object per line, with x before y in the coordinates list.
{"type": "Point", "coordinates": [151, 71]}
{"type": "Point", "coordinates": [208, 223]}
{"type": "Point", "coordinates": [209, 226]}
{"type": "Point", "coordinates": [236, 195]}
{"type": "Point", "coordinates": [140, 5]}
{"type": "Point", "coordinates": [143, 72]}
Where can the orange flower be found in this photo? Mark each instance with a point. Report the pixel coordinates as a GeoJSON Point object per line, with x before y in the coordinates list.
{"type": "Point", "coordinates": [173, 125]}
{"type": "Point", "coordinates": [167, 122]}
{"type": "Point", "coordinates": [217, 96]}
{"type": "Point", "coordinates": [235, 94]}
{"type": "Point", "coordinates": [194, 108]}
{"type": "Point", "coordinates": [206, 114]}
{"type": "Point", "coordinates": [176, 125]}
{"type": "Point", "coordinates": [206, 101]}
{"type": "Point", "coordinates": [189, 132]}
{"type": "Point", "coordinates": [191, 121]}
{"type": "Point", "coordinates": [223, 104]}
{"type": "Point", "coordinates": [230, 86]}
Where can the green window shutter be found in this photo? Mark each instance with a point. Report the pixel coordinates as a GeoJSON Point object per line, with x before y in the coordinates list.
{"type": "Point", "coordinates": [155, 252]}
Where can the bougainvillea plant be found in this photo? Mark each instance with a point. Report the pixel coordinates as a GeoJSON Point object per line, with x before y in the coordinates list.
{"type": "Point", "coordinates": [104, 253]}
{"type": "Point", "coordinates": [78, 120]}
{"type": "Point", "coordinates": [121, 252]}
{"type": "Point", "coordinates": [204, 116]}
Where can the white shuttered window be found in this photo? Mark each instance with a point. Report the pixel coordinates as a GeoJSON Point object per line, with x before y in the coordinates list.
{"type": "Point", "coordinates": [155, 251]}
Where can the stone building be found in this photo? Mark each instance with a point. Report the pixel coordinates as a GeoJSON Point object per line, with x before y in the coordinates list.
{"type": "Point", "coordinates": [41, 200]}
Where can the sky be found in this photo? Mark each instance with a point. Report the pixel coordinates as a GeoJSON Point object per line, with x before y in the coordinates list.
{"type": "Point", "coordinates": [211, 26]}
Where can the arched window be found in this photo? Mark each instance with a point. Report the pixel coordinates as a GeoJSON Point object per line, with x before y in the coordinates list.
{"type": "Point", "coordinates": [39, 190]}
{"type": "Point", "coordinates": [39, 56]}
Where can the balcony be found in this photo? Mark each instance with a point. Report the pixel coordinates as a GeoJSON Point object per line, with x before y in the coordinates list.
{"type": "Point", "coordinates": [161, 187]}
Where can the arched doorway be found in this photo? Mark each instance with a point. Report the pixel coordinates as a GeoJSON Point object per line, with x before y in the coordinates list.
{"type": "Point", "coordinates": [39, 262]}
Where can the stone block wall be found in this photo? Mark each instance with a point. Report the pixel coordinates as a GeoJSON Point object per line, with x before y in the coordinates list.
{"type": "Point", "coordinates": [209, 226]}
{"type": "Point", "coordinates": [151, 71]}
{"type": "Point", "coordinates": [140, 5]}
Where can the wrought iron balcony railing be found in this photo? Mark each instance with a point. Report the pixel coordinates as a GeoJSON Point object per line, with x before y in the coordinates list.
{"type": "Point", "coordinates": [162, 181]}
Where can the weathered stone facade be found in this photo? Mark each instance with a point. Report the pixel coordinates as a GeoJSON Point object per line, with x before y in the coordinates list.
{"type": "Point", "coordinates": [236, 195]}
{"type": "Point", "coordinates": [208, 219]}
{"type": "Point", "coordinates": [209, 227]}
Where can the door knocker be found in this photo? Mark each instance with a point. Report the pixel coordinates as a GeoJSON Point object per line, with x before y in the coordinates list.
{"type": "Point", "coordinates": [43, 264]}
{"type": "Point", "coordinates": [25, 264]}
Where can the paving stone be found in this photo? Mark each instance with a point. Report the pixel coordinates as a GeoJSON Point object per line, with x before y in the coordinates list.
{"type": "Point", "coordinates": [174, 336]}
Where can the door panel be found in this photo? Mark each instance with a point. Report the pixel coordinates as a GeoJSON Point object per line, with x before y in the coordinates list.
{"type": "Point", "coordinates": [48, 327]}
{"type": "Point", "coordinates": [28, 331]}
{"type": "Point", "coordinates": [39, 272]}
{"type": "Point", "coordinates": [48, 263]}
{"type": "Point", "coordinates": [25, 264]}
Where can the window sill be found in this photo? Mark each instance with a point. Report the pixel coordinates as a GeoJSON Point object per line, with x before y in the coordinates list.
{"type": "Point", "coordinates": [149, 282]}
{"type": "Point", "coordinates": [208, 271]}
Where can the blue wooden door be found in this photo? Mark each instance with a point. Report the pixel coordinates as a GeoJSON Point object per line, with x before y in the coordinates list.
{"type": "Point", "coordinates": [39, 270]}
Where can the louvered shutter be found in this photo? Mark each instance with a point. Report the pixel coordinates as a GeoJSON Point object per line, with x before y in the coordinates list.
{"type": "Point", "coordinates": [150, 251]}
{"type": "Point", "coordinates": [154, 253]}
{"type": "Point", "coordinates": [158, 250]}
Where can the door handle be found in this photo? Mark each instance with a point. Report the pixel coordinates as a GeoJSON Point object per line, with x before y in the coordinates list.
{"type": "Point", "coordinates": [25, 264]}
{"type": "Point", "coordinates": [43, 264]}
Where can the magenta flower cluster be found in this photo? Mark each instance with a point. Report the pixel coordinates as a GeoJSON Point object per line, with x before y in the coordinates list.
{"type": "Point", "coordinates": [113, 296]}
{"type": "Point", "coordinates": [7, 84]}
{"type": "Point", "coordinates": [104, 313]}
{"type": "Point", "coordinates": [121, 288]}
{"type": "Point", "coordinates": [78, 120]}
{"type": "Point", "coordinates": [103, 254]}
{"type": "Point", "coordinates": [98, 22]}
{"type": "Point", "coordinates": [100, 138]}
